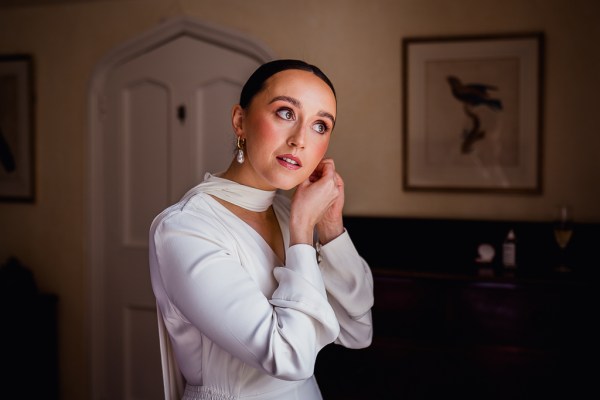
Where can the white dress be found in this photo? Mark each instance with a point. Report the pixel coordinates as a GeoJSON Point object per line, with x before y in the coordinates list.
{"type": "Point", "coordinates": [241, 325]}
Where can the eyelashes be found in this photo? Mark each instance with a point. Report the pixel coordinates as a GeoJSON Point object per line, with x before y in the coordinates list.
{"type": "Point", "coordinates": [287, 114]}
{"type": "Point", "coordinates": [321, 127]}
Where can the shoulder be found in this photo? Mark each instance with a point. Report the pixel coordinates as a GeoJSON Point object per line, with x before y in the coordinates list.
{"type": "Point", "coordinates": [195, 212]}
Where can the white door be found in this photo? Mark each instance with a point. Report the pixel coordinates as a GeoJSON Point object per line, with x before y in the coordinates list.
{"type": "Point", "coordinates": [165, 122]}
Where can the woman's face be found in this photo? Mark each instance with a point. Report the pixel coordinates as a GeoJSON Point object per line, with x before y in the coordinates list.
{"type": "Point", "coordinates": [287, 128]}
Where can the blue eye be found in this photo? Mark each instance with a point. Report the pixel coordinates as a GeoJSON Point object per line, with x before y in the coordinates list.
{"type": "Point", "coordinates": [286, 114]}
{"type": "Point", "coordinates": [320, 127]}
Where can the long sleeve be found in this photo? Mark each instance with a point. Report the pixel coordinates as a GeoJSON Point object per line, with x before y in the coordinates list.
{"type": "Point", "coordinates": [349, 284]}
{"type": "Point", "coordinates": [200, 280]}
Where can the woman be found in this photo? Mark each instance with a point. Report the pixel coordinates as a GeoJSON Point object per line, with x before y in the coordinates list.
{"type": "Point", "coordinates": [246, 299]}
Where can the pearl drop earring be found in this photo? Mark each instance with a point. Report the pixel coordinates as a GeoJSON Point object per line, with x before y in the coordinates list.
{"type": "Point", "coordinates": [240, 152]}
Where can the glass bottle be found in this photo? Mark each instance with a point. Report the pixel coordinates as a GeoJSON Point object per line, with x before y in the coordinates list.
{"type": "Point", "coordinates": [509, 251]}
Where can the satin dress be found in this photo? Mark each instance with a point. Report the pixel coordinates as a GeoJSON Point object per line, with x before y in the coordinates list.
{"type": "Point", "coordinates": [238, 323]}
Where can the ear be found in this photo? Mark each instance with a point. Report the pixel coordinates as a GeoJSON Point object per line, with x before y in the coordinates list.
{"type": "Point", "coordinates": [237, 119]}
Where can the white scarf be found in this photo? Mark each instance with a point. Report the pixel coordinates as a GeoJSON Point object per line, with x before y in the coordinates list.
{"type": "Point", "coordinates": [244, 196]}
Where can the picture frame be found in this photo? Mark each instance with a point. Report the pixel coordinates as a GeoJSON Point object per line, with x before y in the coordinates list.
{"type": "Point", "coordinates": [472, 113]}
{"type": "Point", "coordinates": [17, 162]}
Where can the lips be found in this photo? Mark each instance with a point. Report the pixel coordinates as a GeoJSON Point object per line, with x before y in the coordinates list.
{"type": "Point", "coordinates": [289, 161]}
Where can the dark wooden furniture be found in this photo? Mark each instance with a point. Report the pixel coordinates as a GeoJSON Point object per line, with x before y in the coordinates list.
{"type": "Point", "coordinates": [443, 331]}
{"type": "Point", "coordinates": [467, 337]}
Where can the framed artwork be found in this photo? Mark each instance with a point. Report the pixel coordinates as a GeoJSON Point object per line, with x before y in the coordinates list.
{"type": "Point", "coordinates": [16, 129]}
{"type": "Point", "coordinates": [472, 113]}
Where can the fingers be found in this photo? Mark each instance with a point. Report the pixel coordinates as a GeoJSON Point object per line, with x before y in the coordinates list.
{"type": "Point", "coordinates": [326, 174]}
{"type": "Point", "coordinates": [339, 182]}
{"type": "Point", "coordinates": [320, 198]}
{"type": "Point", "coordinates": [324, 168]}
{"type": "Point", "coordinates": [327, 164]}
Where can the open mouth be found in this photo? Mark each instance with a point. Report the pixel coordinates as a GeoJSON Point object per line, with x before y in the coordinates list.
{"type": "Point", "coordinates": [289, 162]}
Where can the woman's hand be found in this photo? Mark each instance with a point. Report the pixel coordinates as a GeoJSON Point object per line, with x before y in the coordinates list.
{"type": "Point", "coordinates": [318, 201]}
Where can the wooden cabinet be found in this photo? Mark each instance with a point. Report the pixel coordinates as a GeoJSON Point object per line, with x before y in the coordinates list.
{"type": "Point", "coordinates": [468, 337]}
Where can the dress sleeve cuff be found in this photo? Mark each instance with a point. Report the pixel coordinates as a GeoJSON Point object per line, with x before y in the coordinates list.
{"type": "Point", "coordinates": [302, 259]}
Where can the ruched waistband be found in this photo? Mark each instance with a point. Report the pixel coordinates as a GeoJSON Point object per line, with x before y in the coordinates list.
{"type": "Point", "coordinates": [205, 393]}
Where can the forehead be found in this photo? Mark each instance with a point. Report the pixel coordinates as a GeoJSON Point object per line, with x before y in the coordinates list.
{"type": "Point", "coordinates": [305, 86]}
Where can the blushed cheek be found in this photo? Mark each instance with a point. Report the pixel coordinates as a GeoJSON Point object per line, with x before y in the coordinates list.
{"type": "Point", "coordinates": [321, 148]}
{"type": "Point", "coordinates": [267, 132]}
{"type": "Point", "coordinates": [318, 151]}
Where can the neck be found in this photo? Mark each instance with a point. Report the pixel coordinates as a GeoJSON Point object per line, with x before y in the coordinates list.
{"type": "Point", "coordinates": [241, 173]}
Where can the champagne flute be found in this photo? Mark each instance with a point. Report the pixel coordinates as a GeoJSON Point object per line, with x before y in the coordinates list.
{"type": "Point", "coordinates": [563, 230]}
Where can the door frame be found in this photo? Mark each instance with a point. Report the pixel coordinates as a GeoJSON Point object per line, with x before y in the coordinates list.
{"type": "Point", "coordinates": [164, 32]}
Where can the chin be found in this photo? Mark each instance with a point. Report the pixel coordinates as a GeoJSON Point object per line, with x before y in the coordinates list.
{"type": "Point", "coordinates": [288, 183]}
{"type": "Point", "coordinates": [287, 186]}
{"type": "Point", "coordinates": [285, 180]}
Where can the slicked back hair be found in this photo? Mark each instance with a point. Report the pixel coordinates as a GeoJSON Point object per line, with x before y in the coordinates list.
{"type": "Point", "coordinates": [257, 80]}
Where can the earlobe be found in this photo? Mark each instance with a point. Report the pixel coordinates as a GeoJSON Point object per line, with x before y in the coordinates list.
{"type": "Point", "coordinates": [237, 119]}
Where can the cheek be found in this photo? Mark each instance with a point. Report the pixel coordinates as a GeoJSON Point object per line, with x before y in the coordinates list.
{"type": "Point", "coordinates": [321, 147]}
{"type": "Point", "coordinates": [318, 150]}
{"type": "Point", "coordinates": [265, 131]}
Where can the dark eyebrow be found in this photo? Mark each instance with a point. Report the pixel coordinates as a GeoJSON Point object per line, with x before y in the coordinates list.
{"type": "Point", "coordinates": [325, 114]}
{"type": "Point", "coordinates": [288, 99]}
{"type": "Point", "coordinates": [297, 103]}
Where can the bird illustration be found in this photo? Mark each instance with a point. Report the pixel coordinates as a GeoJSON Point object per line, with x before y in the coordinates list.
{"type": "Point", "coordinates": [473, 95]}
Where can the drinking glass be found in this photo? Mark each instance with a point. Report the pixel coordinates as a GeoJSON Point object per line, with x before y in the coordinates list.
{"type": "Point", "coordinates": [563, 230]}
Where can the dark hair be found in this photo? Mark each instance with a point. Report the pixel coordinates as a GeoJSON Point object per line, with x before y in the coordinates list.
{"type": "Point", "coordinates": [256, 82]}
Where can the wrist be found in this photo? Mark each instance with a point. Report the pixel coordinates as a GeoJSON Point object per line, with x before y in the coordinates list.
{"type": "Point", "coordinates": [327, 233]}
{"type": "Point", "coordinates": [301, 232]}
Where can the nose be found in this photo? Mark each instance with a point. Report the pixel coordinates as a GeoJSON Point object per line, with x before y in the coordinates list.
{"type": "Point", "coordinates": [297, 137]}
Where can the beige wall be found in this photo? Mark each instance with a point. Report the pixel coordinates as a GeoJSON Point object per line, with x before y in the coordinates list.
{"type": "Point", "coordinates": [357, 42]}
